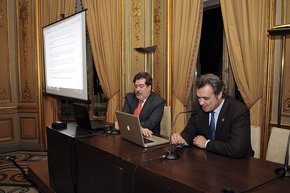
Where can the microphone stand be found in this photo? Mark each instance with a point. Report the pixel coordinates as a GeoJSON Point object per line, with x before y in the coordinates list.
{"type": "Point", "coordinates": [114, 131]}
{"type": "Point", "coordinates": [284, 171]}
{"type": "Point", "coordinates": [170, 155]}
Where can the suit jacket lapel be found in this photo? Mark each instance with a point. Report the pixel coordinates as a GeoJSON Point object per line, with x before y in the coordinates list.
{"type": "Point", "coordinates": [134, 104]}
{"type": "Point", "coordinates": [145, 107]}
{"type": "Point", "coordinates": [205, 120]}
{"type": "Point", "coordinates": [222, 118]}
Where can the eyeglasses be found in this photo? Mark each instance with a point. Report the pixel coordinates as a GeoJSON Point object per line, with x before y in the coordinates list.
{"type": "Point", "coordinates": [140, 85]}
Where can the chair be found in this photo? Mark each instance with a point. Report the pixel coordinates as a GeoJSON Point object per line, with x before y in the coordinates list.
{"type": "Point", "coordinates": [256, 140]}
{"type": "Point", "coordinates": [277, 145]}
{"type": "Point", "coordinates": [165, 124]}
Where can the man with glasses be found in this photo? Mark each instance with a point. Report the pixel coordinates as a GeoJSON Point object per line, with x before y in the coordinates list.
{"type": "Point", "coordinates": [145, 104]}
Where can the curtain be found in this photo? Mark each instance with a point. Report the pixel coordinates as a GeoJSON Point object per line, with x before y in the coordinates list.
{"type": "Point", "coordinates": [50, 12]}
{"type": "Point", "coordinates": [245, 28]}
{"type": "Point", "coordinates": [186, 30]}
{"type": "Point", "coordinates": [104, 26]}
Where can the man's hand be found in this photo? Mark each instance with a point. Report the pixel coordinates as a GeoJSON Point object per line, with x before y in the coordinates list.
{"type": "Point", "coordinates": [177, 139]}
{"type": "Point", "coordinates": [199, 141]}
{"type": "Point", "coordinates": [147, 132]}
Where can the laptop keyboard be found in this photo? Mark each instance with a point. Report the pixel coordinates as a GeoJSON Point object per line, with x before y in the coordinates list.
{"type": "Point", "coordinates": [147, 140]}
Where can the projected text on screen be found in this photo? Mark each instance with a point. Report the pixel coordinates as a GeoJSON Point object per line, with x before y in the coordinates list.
{"type": "Point", "coordinates": [65, 57]}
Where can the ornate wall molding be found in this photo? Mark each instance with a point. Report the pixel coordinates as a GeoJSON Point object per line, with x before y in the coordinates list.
{"type": "Point", "coordinates": [145, 26]}
{"type": "Point", "coordinates": [28, 127]}
{"type": "Point", "coordinates": [6, 131]}
{"type": "Point", "coordinates": [26, 45]}
{"type": "Point", "coordinates": [286, 81]}
{"type": "Point", "coordinates": [137, 33]}
{"type": "Point", "coordinates": [137, 16]}
{"type": "Point", "coordinates": [5, 82]}
{"type": "Point", "coordinates": [159, 64]}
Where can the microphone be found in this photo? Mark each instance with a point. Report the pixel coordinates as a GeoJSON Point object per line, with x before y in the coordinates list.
{"type": "Point", "coordinates": [284, 171]}
{"type": "Point", "coordinates": [170, 155]}
{"type": "Point", "coordinates": [113, 130]}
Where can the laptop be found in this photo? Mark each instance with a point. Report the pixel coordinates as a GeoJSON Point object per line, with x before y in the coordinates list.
{"type": "Point", "coordinates": [130, 130]}
{"type": "Point", "coordinates": [83, 119]}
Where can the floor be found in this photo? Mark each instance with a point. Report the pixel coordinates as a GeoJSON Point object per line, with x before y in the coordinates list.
{"type": "Point", "coordinates": [13, 171]}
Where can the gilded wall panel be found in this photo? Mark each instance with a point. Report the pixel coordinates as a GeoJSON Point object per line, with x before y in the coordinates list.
{"type": "Point", "coordinates": [137, 33]}
{"type": "Point", "coordinates": [286, 81]}
{"type": "Point", "coordinates": [5, 83]}
{"type": "Point", "coordinates": [158, 39]}
{"type": "Point", "coordinates": [26, 62]}
{"type": "Point", "coordinates": [286, 89]}
{"type": "Point", "coordinates": [282, 16]}
{"type": "Point", "coordinates": [6, 131]}
{"type": "Point", "coordinates": [28, 127]}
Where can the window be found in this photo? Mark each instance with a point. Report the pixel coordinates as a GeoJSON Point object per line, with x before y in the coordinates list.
{"type": "Point", "coordinates": [213, 55]}
{"type": "Point", "coordinates": [100, 102]}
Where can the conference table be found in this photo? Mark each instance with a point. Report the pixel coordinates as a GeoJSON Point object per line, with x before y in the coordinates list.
{"type": "Point", "coordinates": [99, 162]}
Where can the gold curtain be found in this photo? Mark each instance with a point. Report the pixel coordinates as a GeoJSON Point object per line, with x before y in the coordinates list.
{"type": "Point", "coordinates": [245, 24]}
{"type": "Point", "coordinates": [51, 10]}
{"type": "Point", "coordinates": [104, 26]}
{"type": "Point", "coordinates": [186, 30]}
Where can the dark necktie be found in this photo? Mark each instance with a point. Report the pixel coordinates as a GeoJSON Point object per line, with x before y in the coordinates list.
{"type": "Point", "coordinates": [212, 127]}
{"type": "Point", "coordinates": [138, 109]}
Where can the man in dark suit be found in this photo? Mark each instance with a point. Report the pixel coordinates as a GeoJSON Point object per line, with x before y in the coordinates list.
{"type": "Point", "coordinates": [219, 123]}
{"type": "Point", "coordinates": [146, 104]}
